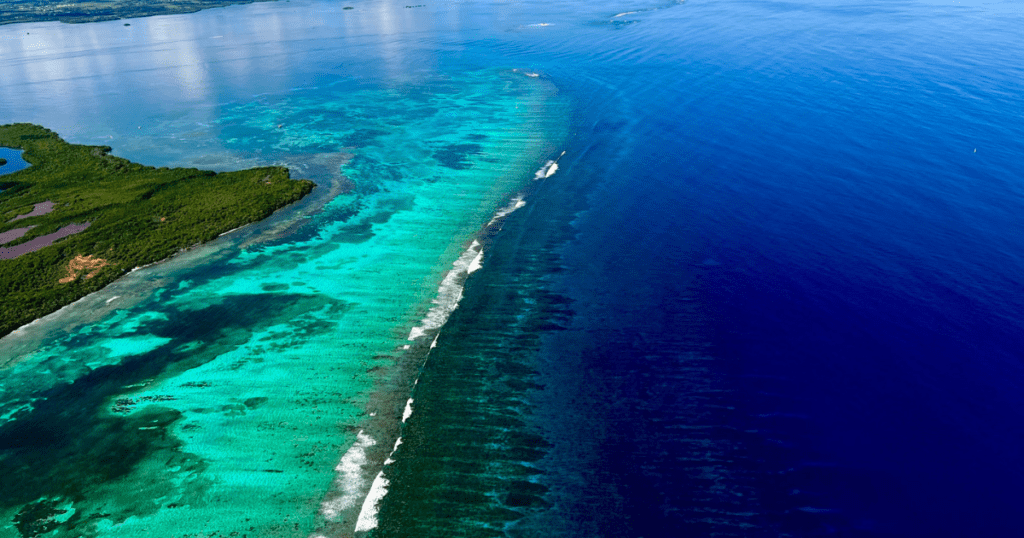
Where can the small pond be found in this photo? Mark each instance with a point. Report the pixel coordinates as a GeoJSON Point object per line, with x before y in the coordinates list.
{"type": "Point", "coordinates": [14, 161]}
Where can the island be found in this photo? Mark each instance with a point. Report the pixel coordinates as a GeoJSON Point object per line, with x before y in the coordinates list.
{"type": "Point", "coordinates": [78, 218]}
{"type": "Point", "coordinates": [78, 11]}
{"type": "Point", "coordinates": [3, 161]}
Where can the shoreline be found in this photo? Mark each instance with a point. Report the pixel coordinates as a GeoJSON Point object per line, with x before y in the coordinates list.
{"type": "Point", "coordinates": [280, 345]}
{"type": "Point", "coordinates": [98, 304]}
{"type": "Point", "coordinates": [79, 13]}
{"type": "Point", "coordinates": [128, 215]}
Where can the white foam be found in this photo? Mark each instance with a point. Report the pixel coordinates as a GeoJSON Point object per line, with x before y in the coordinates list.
{"type": "Point", "coordinates": [349, 479]}
{"type": "Point", "coordinates": [407, 413]}
{"type": "Point", "coordinates": [449, 293]}
{"type": "Point", "coordinates": [548, 169]}
{"type": "Point", "coordinates": [112, 299]}
{"type": "Point", "coordinates": [478, 262]}
{"type": "Point", "coordinates": [542, 173]}
{"type": "Point", "coordinates": [367, 520]}
{"type": "Point", "coordinates": [368, 514]}
{"type": "Point", "coordinates": [625, 13]}
{"type": "Point", "coordinates": [513, 205]}
{"type": "Point", "coordinates": [390, 460]}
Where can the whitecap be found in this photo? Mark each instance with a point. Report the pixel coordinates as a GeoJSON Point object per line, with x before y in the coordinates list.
{"type": "Point", "coordinates": [390, 460]}
{"type": "Point", "coordinates": [513, 205]}
{"type": "Point", "coordinates": [368, 514]}
{"type": "Point", "coordinates": [542, 173]}
{"type": "Point", "coordinates": [349, 479]}
{"type": "Point", "coordinates": [449, 293]}
{"type": "Point", "coordinates": [367, 520]}
{"type": "Point", "coordinates": [407, 413]}
{"type": "Point", "coordinates": [548, 169]}
{"type": "Point", "coordinates": [477, 263]}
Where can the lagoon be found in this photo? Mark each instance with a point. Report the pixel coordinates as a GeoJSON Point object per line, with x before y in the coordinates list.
{"type": "Point", "coordinates": [238, 378]}
{"type": "Point", "coordinates": [771, 289]}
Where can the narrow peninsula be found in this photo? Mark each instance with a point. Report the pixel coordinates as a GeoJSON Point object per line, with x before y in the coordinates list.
{"type": "Point", "coordinates": [78, 218]}
{"type": "Point", "coordinates": [78, 11]}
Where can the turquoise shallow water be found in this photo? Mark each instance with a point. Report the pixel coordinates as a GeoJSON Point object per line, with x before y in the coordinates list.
{"type": "Point", "coordinates": [772, 289]}
{"type": "Point", "coordinates": [253, 386]}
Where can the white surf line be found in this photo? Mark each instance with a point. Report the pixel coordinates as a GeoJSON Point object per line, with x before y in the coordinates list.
{"type": "Point", "coordinates": [513, 205]}
{"type": "Point", "coordinates": [477, 263]}
{"type": "Point", "coordinates": [449, 293]}
{"type": "Point", "coordinates": [548, 169]}
{"type": "Point", "coordinates": [408, 412]}
{"type": "Point", "coordinates": [112, 299]}
{"type": "Point", "coordinates": [349, 479]}
{"type": "Point", "coordinates": [367, 520]}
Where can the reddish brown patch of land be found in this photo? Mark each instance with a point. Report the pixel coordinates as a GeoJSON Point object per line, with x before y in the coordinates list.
{"type": "Point", "coordinates": [89, 266]}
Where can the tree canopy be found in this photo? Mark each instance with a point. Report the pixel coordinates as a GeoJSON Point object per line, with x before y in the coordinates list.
{"type": "Point", "coordinates": [137, 215]}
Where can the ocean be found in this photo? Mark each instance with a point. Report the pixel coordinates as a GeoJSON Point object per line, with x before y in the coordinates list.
{"type": "Point", "coordinates": [607, 268]}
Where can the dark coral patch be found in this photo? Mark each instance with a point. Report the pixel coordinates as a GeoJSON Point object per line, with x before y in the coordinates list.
{"type": "Point", "coordinates": [456, 156]}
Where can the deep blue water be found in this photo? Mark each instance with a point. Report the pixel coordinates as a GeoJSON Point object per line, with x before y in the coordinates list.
{"type": "Point", "coordinates": [793, 262]}
{"type": "Point", "coordinates": [775, 288]}
{"type": "Point", "coordinates": [822, 200]}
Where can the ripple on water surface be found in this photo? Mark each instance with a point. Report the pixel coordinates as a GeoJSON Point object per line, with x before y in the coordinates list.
{"type": "Point", "coordinates": [224, 400]}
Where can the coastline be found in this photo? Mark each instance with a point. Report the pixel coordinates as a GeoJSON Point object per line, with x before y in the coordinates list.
{"type": "Point", "coordinates": [134, 285]}
{"type": "Point", "coordinates": [264, 360]}
{"type": "Point", "coordinates": [112, 212]}
{"type": "Point", "coordinates": [85, 12]}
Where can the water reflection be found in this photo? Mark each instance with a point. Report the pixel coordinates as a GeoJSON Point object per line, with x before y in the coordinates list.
{"type": "Point", "coordinates": [108, 83]}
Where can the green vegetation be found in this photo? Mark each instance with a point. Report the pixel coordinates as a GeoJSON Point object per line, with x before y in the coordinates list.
{"type": "Point", "coordinates": [138, 215]}
{"type": "Point", "coordinates": [14, 11]}
{"type": "Point", "coordinates": [3, 161]}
